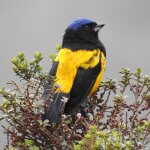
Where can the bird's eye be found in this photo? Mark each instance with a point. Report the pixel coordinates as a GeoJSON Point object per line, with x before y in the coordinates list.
{"type": "Point", "coordinates": [87, 27]}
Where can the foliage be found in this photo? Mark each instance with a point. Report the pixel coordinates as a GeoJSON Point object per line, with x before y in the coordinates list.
{"type": "Point", "coordinates": [108, 120]}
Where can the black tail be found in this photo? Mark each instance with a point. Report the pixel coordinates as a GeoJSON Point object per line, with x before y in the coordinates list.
{"type": "Point", "coordinates": [56, 108]}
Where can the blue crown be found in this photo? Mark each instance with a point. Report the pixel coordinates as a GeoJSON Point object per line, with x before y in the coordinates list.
{"type": "Point", "coordinates": [78, 23]}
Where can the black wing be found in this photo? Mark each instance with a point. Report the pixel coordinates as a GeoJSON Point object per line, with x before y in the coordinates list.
{"type": "Point", "coordinates": [56, 103]}
{"type": "Point", "coordinates": [48, 84]}
{"type": "Point", "coordinates": [82, 86]}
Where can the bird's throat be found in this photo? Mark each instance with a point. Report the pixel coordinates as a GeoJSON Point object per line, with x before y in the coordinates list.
{"type": "Point", "coordinates": [78, 44]}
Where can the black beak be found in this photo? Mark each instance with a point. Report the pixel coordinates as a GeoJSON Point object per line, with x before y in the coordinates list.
{"type": "Point", "coordinates": [99, 27]}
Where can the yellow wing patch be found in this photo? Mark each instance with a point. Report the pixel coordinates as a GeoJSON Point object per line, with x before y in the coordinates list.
{"type": "Point", "coordinates": [69, 62]}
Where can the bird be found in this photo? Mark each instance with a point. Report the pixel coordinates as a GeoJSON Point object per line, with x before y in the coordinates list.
{"type": "Point", "coordinates": [77, 70]}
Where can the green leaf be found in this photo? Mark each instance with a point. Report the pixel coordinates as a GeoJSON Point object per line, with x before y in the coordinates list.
{"type": "Point", "coordinates": [99, 142]}
{"type": "Point", "coordinates": [21, 56]}
{"type": "Point", "coordinates": [23, 65]}
{"type": "Point", "coordinates": [138, 70]}
{"type": "Point", "coordinates": [52, 56]}
{"type": "Point", "coordinates": [15, 69]}
{"type": "Point", "coordinates": [146, 124]}
{"type": "Point", "coordinates": [77, 147]}
{"type": "Point", "coordinates": [15, 61]}
{"type": "Point", "coordinates": [58, 47]}
{"type": "Point", "coordinates": [38, 56]}
{"type": "Point", "coordinates": [82, 142]}
{"type": "Point", "coordinates": [88, 136]}
{"type": "Point", "coordinates": [103, 134]}
{"type": "Point", "coordinates": [2, 90]}
{"type": "Point", "coordinates": [28, 142]}
{"type": "Point", "coordinates": [129, 145]}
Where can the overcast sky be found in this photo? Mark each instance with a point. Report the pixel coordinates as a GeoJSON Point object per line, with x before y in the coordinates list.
{"type": "Point", "coordinates": [31, 25]}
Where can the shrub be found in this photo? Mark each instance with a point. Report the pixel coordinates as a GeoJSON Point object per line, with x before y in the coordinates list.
{"type": "Point", "coordinates": [110, 120]}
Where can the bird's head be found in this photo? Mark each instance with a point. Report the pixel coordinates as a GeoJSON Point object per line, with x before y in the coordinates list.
{"type": "Point", "coordinates": [83, 29]}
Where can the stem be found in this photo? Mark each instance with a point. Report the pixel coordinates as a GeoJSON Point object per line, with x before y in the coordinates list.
{"type": "Point", "coordinates": [126, 120]}
{"type": "Point", "coordinates": [132, 89]}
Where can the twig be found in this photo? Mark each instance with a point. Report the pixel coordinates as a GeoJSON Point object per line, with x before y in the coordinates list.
{"type": "Point", "coordinates": [126, 120]}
